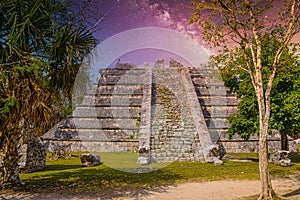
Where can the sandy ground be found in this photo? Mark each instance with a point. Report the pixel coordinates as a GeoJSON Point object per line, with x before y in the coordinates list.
{"type": "Point", "coordinates": [225, 190]}
{"type": "Point", "coordinates": [288, 188]}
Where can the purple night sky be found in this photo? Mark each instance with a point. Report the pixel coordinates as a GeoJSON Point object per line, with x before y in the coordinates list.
{"type": "Point", "coordinates": [122, 15]}
{"type": "Point", "coordinates": [129, 14]}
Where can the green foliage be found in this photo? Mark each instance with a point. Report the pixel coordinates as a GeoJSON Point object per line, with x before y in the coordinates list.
{"type": "Point", "coordinates": [42, 46]}
{"type": "Point", "coordinates": [245, 23]}
{"type": "Point", "coordinates": [246, 121]}
{"type": "Point", "coordinates": [285, 110]}
{"type": "Point", "coordinates": [8, 103]}
{"type": "Point", "coordinates": [286, 99]}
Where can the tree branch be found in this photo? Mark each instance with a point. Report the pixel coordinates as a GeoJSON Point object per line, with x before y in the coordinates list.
{"type": "Point", "coordinates": [256, 55]}
{"type": "Point", "coordinates": [250, 72]}
{"type": "Point", "coordinates": [287, 38]}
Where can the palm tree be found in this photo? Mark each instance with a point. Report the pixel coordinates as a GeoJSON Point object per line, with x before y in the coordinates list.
{"type": "Point", "coordinates": [42, 47]}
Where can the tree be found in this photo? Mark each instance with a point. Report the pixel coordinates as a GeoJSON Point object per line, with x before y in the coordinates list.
{"type": "Point", "coordinates": [42, 47]}
{"type": "Point", "coordinates": [245, 23]}
{"type": "Point", "coordinates": [285, 102]}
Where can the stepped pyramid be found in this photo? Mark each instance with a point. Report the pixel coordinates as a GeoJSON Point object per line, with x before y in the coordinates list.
{"type": "Point", "coordinates": [163, 113]}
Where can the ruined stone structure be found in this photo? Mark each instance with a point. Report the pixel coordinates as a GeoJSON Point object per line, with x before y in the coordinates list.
{"type": "Point", "coordinates": [163, 113]}
{"type": "Point", "coordinates": [238, 144]}
{"type": "Point", "coordinates": [32, 153]}
{"type": "Point", "coordinates": [281, 158]}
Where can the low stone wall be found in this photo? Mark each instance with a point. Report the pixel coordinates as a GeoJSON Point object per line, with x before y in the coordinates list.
{"type": "Point", "coordinates": [238, 145]}
{"type": "Point", "coordinates": [230, 146]}
{"type": "Point", "coordinates": [93, 146]}
{"type": "Point", "coordinates": [247, 146]}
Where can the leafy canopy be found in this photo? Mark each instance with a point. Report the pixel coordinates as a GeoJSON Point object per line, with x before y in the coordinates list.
{"type": "Point", "coordinates": [285, 110]}
{"type": "Point", "coordinates": [42, 46]}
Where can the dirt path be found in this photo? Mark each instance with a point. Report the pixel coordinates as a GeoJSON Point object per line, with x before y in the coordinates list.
{"type": "Point", "coordinates": [289, 188]}
{"type": "Point", "coordinates": [225, 190]}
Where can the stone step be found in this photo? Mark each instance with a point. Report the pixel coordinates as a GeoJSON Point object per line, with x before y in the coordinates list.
{"type": "Point", "coordinates": [92, 135]}
{"type": "Point", "coordinates": [98, 134]}
{"type": "Point", "coordinates": [119, 100]}
{"type": "Point", "coordinates": [218, 111]}
{"type": "Point", "coordinates": [201, 70]}
{"type": "Point", "coordinates": [88, 100]}
{"type": "Point", "coordinates": [119, 71]}
{"type": "Point", "coordinates": [218, 100]}
{"type": "Point", "coordinates": [201, 82]}
{"type": "Point", "coordinates": [126, 79]}
{"type": "Point", "coordinates": [110, 106]}
{"type": "Point", "coordinates": [111, 134]}
{"type": "Point", "coordinates": [121, 87]}
{"type": "Point", "coordinates": [114, 99]}
{"type": "Point", "coordinates": [109, 100]}
{"type": "Point", "coordinates": [120, 90]}
{"type": "Point", "coordinates": [90, 123]}
{"type": "Point", "coordinates": [217, 123]}
{"type": "Point", "coordinates": [212, 91]}
{"type": "Point", "coordinates": [178, 140]}
{"type": "Point", "coordinates": [107, 112]}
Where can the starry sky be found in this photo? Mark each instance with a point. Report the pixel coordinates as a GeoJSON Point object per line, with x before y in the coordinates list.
{"type": "Point", "coordinates": [122, 15]}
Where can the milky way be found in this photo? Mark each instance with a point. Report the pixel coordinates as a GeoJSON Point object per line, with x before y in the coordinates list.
{"type": "Point", "coordinates": [128, 14]}
{"type": "Point", "coordinates": [121, 15]}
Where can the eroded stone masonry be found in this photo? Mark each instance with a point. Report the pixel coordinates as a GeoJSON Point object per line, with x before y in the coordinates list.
{"type": "Point", "coordinates": [164, 113]}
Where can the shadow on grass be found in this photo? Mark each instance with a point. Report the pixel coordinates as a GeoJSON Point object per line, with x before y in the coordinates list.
{"type": "Point", "coordinates": [295, 157]}
{"type": "Point", "coordinates": [252, 159]}
{"type": "Point", "coordinates": [241, 158]}
{"type": "Point", "coordinates": [102, 181]}
{"type": "Point", "coordinates": [60, 167]}
{"type": "Point", "coordinates": [67, 177]}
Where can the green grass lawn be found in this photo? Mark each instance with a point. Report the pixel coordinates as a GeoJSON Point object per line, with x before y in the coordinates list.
{"type": "Point", "coordinates": [68, 174]}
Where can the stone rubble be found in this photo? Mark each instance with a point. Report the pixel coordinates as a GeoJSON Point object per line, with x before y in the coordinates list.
{"type": "Point", "coordinates": [89, 160]}
{"type": "Point", "coordinates": [280, 158]}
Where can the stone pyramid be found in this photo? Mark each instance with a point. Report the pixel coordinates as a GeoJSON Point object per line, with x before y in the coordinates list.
{"type": "Point", "coordinates": [164, 113]}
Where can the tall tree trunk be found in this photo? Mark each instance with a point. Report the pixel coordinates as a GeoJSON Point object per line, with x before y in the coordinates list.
{"type": "Point", "coordinates": [266, 186]}
{"type": "Point", "coordinates": [10, 169]}
{"type": "Point", "coordinates": [284, 141]}
{"type": "Point", "coordinates": [264, 116]}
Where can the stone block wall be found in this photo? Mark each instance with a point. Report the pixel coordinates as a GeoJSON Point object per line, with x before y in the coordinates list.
{"type": "Point", "coordinates": [248, 146]}
{"type": "Point", "coordinates": [238, 145]}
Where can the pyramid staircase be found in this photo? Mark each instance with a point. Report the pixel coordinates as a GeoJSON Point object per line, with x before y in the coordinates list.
{"type": "Point", "coordinates": [164, 113]}
{"type": "Point", "coordinates": [216, 102]}
{"type": "Point", "coordinates": [173, 131]}
{"type": "Point", "coordinates": [108, 118]}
